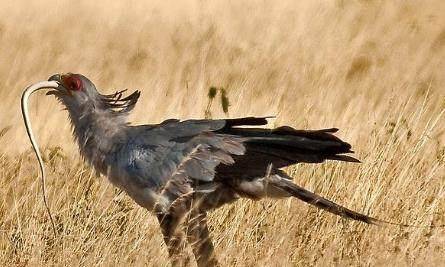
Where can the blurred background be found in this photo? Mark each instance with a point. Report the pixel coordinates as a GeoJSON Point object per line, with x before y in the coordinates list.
{"type": "Point", "coordinates": [374, 69]}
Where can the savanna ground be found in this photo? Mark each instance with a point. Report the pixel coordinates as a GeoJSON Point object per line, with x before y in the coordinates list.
{"type": "Point", "coordinates": [374, 69]}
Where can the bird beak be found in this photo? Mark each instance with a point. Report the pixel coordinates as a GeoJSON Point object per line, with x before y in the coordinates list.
{"type": "Point", "coordinates": [60, 90]}
{"type": "Point", "coordinates": [56, 78]}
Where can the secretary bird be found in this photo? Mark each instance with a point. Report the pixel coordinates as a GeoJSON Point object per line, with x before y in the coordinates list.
{"type": "Point", "coordinates": [179, 170]}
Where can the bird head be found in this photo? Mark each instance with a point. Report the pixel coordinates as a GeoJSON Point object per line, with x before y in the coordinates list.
{"type": "Point", "coordinates": [78, 93]}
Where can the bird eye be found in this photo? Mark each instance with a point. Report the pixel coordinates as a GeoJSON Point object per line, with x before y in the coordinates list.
{"type": "Point", "coordinates": [72, 82]}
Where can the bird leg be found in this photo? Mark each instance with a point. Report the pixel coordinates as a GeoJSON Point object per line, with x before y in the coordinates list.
{"type": "Point", "coordinates": [173, 238]}
{"type": "Point", "coordinates": [198, 237]}
{"type": "Point", "coordinates": [170, 220]}
{"type": "Point", "coordinates": [190, 207]}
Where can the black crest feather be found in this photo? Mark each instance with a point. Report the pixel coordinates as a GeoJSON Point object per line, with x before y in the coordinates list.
{"type": "Point", "coordinates": [119, 104]}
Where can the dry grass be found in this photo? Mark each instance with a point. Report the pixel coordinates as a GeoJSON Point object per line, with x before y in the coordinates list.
{"type": "Point", "coordinates": [375, 69]}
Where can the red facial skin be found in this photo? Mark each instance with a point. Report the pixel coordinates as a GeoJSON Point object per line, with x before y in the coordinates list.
{"type": "Point", "coordinates": [72, 82]}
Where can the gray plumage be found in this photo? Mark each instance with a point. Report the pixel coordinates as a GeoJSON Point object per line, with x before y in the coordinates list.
{"type": "Point", "coordinates": [182, 169]}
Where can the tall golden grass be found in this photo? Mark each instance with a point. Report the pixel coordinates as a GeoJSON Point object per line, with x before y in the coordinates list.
{"type": "Point", "coordinates": [374, 69]}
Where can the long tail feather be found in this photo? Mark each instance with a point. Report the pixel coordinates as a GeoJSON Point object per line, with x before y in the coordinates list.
{"type": "Point", "coordinates": [288, 186]}
{"type": "Point", "coordinates": [322, 203]}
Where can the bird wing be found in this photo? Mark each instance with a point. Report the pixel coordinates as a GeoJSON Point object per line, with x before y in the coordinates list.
{"type": "Point", "coordinates": [173, 154]}
{"type": "Point", "coordinates": [196, 171]}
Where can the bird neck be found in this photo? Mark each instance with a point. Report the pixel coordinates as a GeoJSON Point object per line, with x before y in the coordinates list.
{"type": "Point", "coordinates": [95, 131]}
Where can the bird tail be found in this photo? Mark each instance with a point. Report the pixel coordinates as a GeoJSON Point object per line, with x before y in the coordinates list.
{"type": "Point", "coordinates": [294, 190]}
